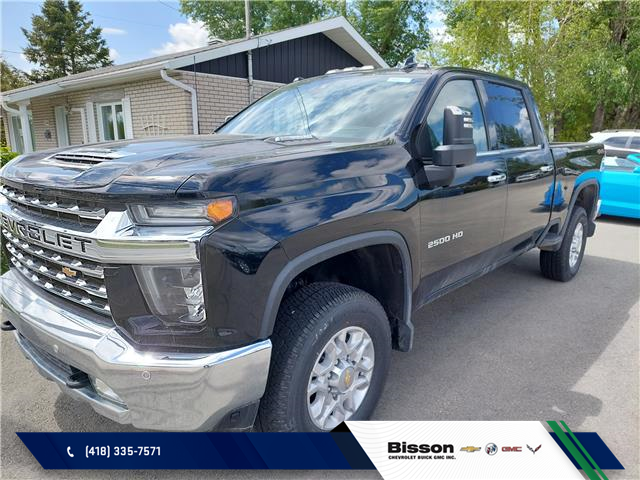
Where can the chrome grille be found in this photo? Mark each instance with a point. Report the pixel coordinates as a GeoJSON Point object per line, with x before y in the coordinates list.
{"type": "Point", "coordinates": [77, 280]}
{"type": "Point", "coordinates": [53, 206]}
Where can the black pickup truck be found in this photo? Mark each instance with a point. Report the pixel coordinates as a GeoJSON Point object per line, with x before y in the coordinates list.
{"type": "Point", "coordinates": [263, 274]}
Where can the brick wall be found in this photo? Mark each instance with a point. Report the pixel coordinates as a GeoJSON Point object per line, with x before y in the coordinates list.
{"type": "Point", "coordinates": [220, 96]}
{"type": "Point", "coordinates": [157, 107]}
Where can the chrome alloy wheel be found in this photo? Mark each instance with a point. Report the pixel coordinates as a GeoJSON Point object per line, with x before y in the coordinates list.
{"type": "Point", "coordinates": [576, 245]}
{"type": "Point", "coordinates": [340, 378]}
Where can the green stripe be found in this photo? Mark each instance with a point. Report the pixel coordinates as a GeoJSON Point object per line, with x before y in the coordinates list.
{"type": "Point", "coordinates": [584, 450]}
{"type": "Point", "coordinates": [573, 451]}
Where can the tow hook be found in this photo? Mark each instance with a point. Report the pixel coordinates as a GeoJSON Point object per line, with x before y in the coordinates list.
{"type": "Point", "coordinates": [77, 380]}
{"type": "Point", "coordinates": [7, 326]}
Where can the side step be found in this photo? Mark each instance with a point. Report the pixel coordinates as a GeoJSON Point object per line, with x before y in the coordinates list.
{"type": "Point", "coordinates": [551, 241]}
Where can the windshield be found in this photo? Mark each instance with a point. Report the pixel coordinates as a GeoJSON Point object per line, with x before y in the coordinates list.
{"type": "Point", "coordinates": [356, 106]}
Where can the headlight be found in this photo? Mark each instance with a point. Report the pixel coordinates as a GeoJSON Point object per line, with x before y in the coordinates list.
{"type": "Point", "coordinates": [185, 213]}
{"type": "Point", "coordinates": [173, 293]}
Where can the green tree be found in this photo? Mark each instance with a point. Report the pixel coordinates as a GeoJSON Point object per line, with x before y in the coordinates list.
{"type": "Point", "coordinates": [63, 41]}
{"type": "Point", "coordinates": [225, 19]}
{"type": "Point", "coordinates": [11, 77]}
{"type": "Point", "coordinates": [393, 27]}
{"type": "Point", "coordinates": [581, 58]}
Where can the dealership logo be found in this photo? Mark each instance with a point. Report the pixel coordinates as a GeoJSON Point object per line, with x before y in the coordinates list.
{"type": "Point", "coordinates": [511, 449]}
{"type": "Point", "coordinates": [491, 449]}
{"type": "Point", "coordinates": [536, 449]}
{"type": "Point", "coordinates": [469, 449]}
{"type": "Point", "coordinates": [404, 447]}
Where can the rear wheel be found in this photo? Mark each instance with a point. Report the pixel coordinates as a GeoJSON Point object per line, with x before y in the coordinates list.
{"type": "Point", "coordinates": [331, 353]}
{"type": "Point", "coordinates": [563, 264]}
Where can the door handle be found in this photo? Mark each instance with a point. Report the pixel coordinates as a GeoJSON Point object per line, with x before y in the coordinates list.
{"type": "Point", "coordinates": [497, 178]}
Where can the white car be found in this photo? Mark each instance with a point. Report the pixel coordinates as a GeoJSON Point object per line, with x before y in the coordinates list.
{"type": "Point", "coordinates": [618, 143]}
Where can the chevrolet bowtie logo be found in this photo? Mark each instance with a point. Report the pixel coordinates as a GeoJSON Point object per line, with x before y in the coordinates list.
{"type": "Point", "coordinates": [469, 449]}
{"type": "Point", "coordinates": [69, 272]}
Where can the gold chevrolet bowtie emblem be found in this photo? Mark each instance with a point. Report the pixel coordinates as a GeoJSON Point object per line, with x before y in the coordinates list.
{"type": "Point", "coordinates": [470, 449]}
{"type": "Point", "coordinates": [69, 272]}
{"type": "Point", "coordinates": [347, 378]}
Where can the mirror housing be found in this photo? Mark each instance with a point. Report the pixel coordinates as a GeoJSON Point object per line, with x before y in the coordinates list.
{"type": "Point", "coordinates": [457, 148]}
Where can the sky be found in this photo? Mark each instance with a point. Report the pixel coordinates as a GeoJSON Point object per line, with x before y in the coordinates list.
{"type": "Point", "coordinates": [133, 30]}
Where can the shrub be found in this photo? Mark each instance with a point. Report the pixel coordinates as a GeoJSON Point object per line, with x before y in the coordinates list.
{"type": "Point", "coordinates": [5, 156]}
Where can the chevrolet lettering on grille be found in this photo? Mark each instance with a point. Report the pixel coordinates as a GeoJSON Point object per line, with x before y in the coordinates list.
{"type": "Point", "coordinates": [31, 232]}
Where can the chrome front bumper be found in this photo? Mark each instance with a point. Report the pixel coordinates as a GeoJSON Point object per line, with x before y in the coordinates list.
{"type": "Point", "coordinates": [160, 391]}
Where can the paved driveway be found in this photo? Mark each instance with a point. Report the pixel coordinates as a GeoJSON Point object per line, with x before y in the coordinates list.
{"type": "Point", "coordinates": [510, 346]}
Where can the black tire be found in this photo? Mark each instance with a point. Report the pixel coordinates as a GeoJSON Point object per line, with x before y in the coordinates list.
{"type": "Point", "coordinates": [556, 265]}
{"type": "Point", "coordinates": [307, 320]}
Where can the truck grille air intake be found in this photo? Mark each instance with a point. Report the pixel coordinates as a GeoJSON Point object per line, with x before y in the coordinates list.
{"type": "Point", "coordinates": [56, 271]}
{"type": "Point", "coordinates": [83, 213]}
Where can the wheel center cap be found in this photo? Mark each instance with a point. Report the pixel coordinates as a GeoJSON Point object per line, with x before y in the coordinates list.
{"type": "Point", "coordinates": [346, 378]}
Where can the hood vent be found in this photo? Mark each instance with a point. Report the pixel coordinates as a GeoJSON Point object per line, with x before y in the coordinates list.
{"type": "Point", "coordinates": [87, 157]}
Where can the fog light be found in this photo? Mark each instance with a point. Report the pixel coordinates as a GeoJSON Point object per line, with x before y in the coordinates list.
{"type": "Point", "coordinates": [105, 391]}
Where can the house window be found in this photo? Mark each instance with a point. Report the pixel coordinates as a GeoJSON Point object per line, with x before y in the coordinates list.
{"type": "Point", "coordinates": [111, 121]}
{"type": "Point", "coordinates": [17, 136]}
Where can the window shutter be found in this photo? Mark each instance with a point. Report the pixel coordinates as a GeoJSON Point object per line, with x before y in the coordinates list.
{"type": "Point", "coordinates": [62, 130]}
{"type": "Point", "coordinates": [128, 122]}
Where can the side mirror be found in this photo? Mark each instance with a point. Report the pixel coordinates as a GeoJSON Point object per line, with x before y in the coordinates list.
{"type": "Point", "coordinates": [457, 148]}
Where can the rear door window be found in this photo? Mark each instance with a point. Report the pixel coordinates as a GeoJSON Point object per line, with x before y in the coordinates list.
{"type": "Point", "coordinates": [507, 114]}
{"type": "Point", "coordinates": [617, 142]}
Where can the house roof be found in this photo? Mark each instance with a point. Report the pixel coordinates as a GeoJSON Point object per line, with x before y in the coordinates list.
{"type": "Point", "coordinates": [338, 29]}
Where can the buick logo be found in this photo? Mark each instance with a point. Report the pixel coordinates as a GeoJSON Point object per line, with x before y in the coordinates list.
{"type": "Point", "coordinates": [491, 449]}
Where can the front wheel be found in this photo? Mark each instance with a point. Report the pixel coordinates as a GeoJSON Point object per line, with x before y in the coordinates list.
{"type": "Point", "coordinates": [563, 264]}
{"type": "Point", "coordinates": [331, 354]}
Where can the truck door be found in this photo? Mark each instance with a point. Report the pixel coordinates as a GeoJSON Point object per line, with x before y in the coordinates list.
{"type": "Point", "coordinates": [462, 223]}
{"type": "Point", "coordinates": [514, 132]}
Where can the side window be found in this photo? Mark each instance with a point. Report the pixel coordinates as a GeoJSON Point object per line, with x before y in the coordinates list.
{"type": "Point", "coordinates": [635, 142]}
{"type": "Point", "coordinates": [507, 114]}
{"type": "Point", "coordinates": [459, 93]}
{"type": "Point", "coordinates": [618, 142]}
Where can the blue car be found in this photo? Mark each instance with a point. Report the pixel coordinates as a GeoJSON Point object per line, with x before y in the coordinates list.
{"type": "Point", "coordinates": [620, 186]}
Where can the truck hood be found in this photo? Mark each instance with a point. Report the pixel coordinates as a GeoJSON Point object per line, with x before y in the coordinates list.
{"type": "Point", "coordinates": [159, 165]}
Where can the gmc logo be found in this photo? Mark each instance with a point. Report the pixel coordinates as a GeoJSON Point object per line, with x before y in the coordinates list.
{"type": "Point", "coordinates": [511, 449]}
{"type": "Point", "coordinates": [28, 232]}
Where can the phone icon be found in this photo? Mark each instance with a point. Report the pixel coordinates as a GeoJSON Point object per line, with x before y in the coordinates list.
{"type": "Point", "coordinates": [69, 452]}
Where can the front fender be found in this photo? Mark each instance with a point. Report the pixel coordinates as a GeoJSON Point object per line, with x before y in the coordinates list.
{"type": "Point", "coordinates": [323, 252]}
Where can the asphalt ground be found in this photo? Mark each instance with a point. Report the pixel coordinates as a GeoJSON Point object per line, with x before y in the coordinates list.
{"type": "Point", "coordinates": [509, 346]}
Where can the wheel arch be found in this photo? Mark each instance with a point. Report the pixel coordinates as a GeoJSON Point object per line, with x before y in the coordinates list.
{"type": "Point", "coordinates": [327, 251]}
{"type": "Point", "coordinates": [586, 195]}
